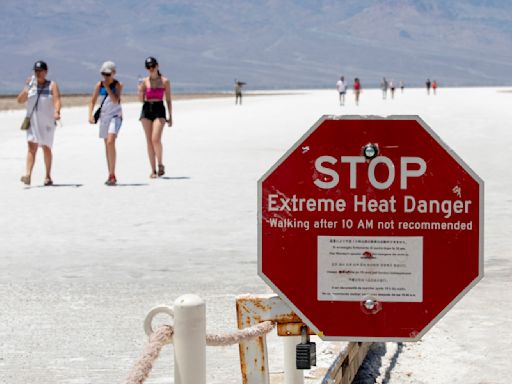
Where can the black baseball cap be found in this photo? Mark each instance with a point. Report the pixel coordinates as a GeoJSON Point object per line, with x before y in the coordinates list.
{"type": "Point", "coordinates": [40, 65]}
{"type": "Point", "coordinates": [150, 62]}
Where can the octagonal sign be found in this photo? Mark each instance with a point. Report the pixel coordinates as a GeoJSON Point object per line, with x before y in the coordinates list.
{"type": "Point", "coordinates": [370, 228]}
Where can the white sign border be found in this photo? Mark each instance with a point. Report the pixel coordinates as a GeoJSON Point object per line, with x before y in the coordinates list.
{"type": "Point", "coordinates": [462, 163]}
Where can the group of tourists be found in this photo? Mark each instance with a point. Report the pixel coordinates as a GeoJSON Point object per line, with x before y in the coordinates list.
{"type": "Point", "coordinates": [385, 86]}
{"type": "Point", "coordinates": [390, 85]}
{"type": "Point", "coordinates": [342, 86]}
{"type": "Point", "coordinates": [431, 84]}
{"type": "Point", "coordinates": [44, 105]}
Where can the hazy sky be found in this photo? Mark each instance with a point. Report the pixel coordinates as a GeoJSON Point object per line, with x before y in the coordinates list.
{"type": "Point", "coordinates": [204, 45]}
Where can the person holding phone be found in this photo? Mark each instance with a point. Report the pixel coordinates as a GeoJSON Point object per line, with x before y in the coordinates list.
{"type": "Point", "coordinates": [43, 108]}
{"type": "Point", "coordinates": [111, 115]}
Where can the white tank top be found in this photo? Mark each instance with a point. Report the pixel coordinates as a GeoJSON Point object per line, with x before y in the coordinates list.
{"type": "Point", "coordinates": [109, 108]}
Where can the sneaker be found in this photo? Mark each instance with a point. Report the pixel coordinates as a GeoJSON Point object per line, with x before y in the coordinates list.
{"type": "Point", "coordinates": [111, 180]}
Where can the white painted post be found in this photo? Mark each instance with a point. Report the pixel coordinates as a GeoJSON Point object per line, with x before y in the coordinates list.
{"type": "Point", "coordinates": [189, 340]}
{"type": "Point", "coordinates": [292, 375]}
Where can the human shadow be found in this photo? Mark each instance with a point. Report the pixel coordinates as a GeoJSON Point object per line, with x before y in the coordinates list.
{"type": "Point", "coordinates": [70, 185]}
{"type": "Point", "coordinates": [67, 185]}
{"type": "Point", "coordinates": [370, 368]}
{"type": "Point", "coordinates": [174, 177]}
{"type": "Point", "coordinates": [131, 185]}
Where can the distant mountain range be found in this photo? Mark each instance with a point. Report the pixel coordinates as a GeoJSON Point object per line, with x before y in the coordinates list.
{"type": "Point", "coordinates": [203, 45]}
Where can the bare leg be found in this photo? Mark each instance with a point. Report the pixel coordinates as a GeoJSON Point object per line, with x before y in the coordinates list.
{"type": "Point", "coordinates": [156, 139]}
{"type": "Point", "coordinates": [48, 161]}
{"type": "Point", "coordinates": [31, 158]}
{"type": "Point", "coordinates": [148, 130]}
{"type": "Point", "coordinates": [110, 147]}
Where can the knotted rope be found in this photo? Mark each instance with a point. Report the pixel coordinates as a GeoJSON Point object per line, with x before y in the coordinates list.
{"type": "Point", "coordinates": [163, 335]}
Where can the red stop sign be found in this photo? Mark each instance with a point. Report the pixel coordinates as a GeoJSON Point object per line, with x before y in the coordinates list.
{"type": "Point", "coordinates": [370, 228]}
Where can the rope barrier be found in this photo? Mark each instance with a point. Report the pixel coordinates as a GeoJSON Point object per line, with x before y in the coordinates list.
{"type": "Point", "coordinates": [240, 335]}
{"type": "Point", "coordinates": [144, 365]}
{"type": "Point", "coordinates": [163, 335]}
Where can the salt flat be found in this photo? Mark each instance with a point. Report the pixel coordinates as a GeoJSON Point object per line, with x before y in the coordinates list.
{"type": "Point", "coordinates": [82, 263]}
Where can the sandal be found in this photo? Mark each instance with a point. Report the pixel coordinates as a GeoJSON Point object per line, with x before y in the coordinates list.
{"type": "Point", "coordinates": [48, 182]}
{"type": "Point", "coordinates": [161, 170]}
{"type": "Point", "coordinates": [25, 179]}
{"type": "Point", "coordinates": [153, 175]}
{"type": "Point", "coordinates": [111, 181]}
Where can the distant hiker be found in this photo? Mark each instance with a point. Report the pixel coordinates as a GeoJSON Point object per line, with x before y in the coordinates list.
{"type": "Point", "coordinates": [43, 110]}
{"type": "Point", "coordinates": [402, 85]}
{"type": "Point", "coordinates": [152, 90]}
{"type": "Point", "coordinates": [384, 87]}
{"type": "Point", "coordinates": [434, 86]}
{"type": "Point", "coordinates": [110, 116]}
{"type": "Point", "coordinates": [238, 91]}
{"type": "Point", "coordinates": [341, 87]}
{"type": "Point", "coordinates": [357, 89]}
{"type": "Point", "coordinates": [392, 88]}
{"type": "Point", "coordinates": [427, 84]}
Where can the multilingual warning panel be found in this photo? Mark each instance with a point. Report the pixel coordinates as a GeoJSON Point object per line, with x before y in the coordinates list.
{"type": "Point", "coordinates": [370, 228]}
{"type": "Point", "coordinates": [383, 268]}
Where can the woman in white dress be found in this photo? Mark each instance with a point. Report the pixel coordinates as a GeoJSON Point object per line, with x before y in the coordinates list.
{"type": "Point", "coordinates": [43, 107]}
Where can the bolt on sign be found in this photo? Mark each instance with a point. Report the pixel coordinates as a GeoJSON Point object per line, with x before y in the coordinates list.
{"type": "Point", "coordinates": [370, 228]}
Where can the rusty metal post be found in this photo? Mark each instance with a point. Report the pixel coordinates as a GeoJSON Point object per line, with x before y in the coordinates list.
{"type": "Point", "coordinates": [251, 310]}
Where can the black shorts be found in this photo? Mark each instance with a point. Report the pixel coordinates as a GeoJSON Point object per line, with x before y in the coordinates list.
{"type": "Point", "coordinates": [153, 110]}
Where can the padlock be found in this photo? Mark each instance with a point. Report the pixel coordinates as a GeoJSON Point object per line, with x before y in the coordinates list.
{"type": "Point", "coordinates": [305, 352]}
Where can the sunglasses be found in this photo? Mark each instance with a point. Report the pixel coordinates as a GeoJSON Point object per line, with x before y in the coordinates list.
{"type": "Point", "coordinates": [106, 74]}
{"type": "Point", "coordinates": [150, 66]}
{"type": "Point", "coordinates": [38, 70]}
